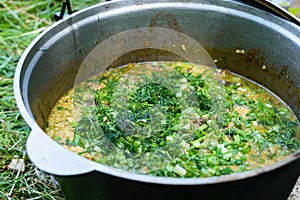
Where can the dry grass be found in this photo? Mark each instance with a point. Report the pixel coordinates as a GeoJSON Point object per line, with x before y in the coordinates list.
{"type": "Point", "coordinates": [20, 23]}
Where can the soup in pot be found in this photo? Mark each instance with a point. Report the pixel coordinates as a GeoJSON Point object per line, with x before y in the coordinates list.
{"type": "Point", "coordinates": [175, 119]}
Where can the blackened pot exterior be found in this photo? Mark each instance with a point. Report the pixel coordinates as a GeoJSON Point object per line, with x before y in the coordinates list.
{"type": "Point", "coordinates": [50, 64]}
{"type": "Point", "coordinates": [275, 185]}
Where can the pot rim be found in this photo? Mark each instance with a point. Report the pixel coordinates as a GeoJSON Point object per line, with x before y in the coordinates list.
{"type": "Point", "coordinates": [90, 166]}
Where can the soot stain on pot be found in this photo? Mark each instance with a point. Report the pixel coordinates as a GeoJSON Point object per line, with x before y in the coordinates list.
{"type": "Point", "coordinates": [165, 20]}
{"type": "Point", "coordinates": [283, 71]}
{"type": "Point", "coordinates": [228, 58]}
{"type": "Point", "coordinates": [255, 56]}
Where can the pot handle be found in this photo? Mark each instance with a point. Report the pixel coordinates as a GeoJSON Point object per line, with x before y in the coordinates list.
{"type": "Point", "coordinates": [269, 6]}
{"type": "Point", "coordinates": [50, 157]}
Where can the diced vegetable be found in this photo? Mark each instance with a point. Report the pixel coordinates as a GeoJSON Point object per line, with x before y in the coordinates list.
{"type": "Point", "coordinates": [180, 120]}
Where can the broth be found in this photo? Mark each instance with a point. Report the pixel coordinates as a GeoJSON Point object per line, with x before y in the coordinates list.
{"type": "Point", "coordinates": [175, 119]}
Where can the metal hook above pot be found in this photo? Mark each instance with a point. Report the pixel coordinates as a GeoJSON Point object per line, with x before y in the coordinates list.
{"type": "Point", "coordinates": [263, 4]}
{"type": "Point", "coordinates": [60, 15]}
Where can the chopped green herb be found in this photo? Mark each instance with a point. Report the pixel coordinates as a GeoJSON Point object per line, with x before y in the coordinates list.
{"type": "Point", "coordinates": [60, 108]}
{"type": "Point", "coordinates": [184, 120]}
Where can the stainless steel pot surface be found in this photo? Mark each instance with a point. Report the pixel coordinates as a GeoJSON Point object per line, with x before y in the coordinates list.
{"type": "Point", "coordinates": [49, 66]}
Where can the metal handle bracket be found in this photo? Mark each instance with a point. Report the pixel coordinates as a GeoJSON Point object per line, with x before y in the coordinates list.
{"type": "Point", "coordinates": [60, 15]}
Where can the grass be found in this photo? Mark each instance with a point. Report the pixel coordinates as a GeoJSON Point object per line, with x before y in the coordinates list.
{"type": "Point", "coordinates": [20, 22]}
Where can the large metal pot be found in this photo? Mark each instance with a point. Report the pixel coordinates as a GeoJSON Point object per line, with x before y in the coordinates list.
{"type": "Point", "coordinates": [49, 66]}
